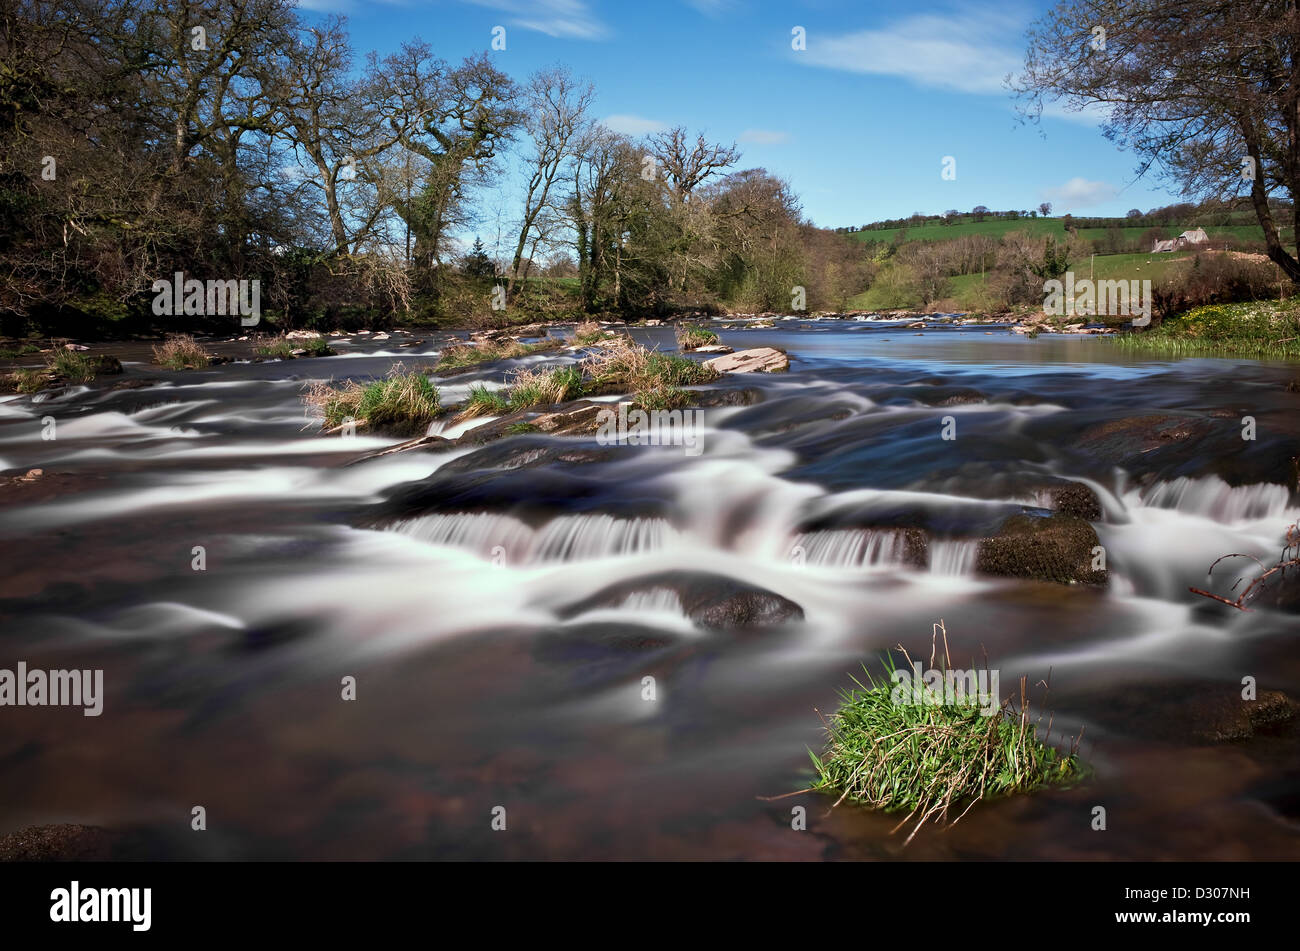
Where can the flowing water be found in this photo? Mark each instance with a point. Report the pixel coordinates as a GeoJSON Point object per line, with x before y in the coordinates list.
{"type": "Point", "coordinates": [445, 584]}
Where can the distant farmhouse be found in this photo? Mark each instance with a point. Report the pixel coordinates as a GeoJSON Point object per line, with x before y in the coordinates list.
{"type": "Point", "coordinates": [1183, 240]}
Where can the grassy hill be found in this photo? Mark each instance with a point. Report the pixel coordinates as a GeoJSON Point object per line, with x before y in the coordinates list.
{"type": "Point", "coordinates": [1242, 226]}
{"type": "Point", "coordinates": [966, 290]}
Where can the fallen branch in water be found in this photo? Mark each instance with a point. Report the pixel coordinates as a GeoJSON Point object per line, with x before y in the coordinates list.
{"type": "Point", "coordinates": [1289, 558]}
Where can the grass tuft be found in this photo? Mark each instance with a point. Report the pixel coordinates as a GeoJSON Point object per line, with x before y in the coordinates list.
{"type": "Point", "coordinates": [626, 364]}
{"type": "Point", "coordinates": [589, 332]}
{"type": "Point", "coordinates": [72, 366]}
{"type": "Point", "coordinates": [459, 356]}
{"type": "Point", "coordinates": [181, 352]}
{"type": "Point", "coordinates": [400, 398]}
{"type": "Point", "coordinates": [889, 752]}
{"type": "Point", "coordinates": [691, 337]}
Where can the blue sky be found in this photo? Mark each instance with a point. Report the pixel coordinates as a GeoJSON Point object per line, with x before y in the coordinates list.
{"type": "Point", "coordinates": [859, 122]}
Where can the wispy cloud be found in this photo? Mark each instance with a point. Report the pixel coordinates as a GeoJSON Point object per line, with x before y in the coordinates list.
{"type": "Point", "coordinates": [764, 137]}
{"type": "Point", "coordinates": [1092, 114]}
{"type": "Point", "coordinates": [563, 19]}
{"type": "Point", "coordinates": [635, 125]}
{"type": "Point", "coordinates": [1080, 193]}
{"type": "Point", "coordinates": [969, 52]}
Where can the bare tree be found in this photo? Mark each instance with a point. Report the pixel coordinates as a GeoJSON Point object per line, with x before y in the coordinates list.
{"type": "Point", "coordinates": [1206, 91]}
{"type": "Point", "coordinates": [555, 107]}
{"type": "Point", "coordinates": [455, 119]}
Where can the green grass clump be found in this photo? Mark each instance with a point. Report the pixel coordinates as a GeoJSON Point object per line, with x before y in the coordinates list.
{"type": "Point", "coordinates": [12, 353]}
{"type": "Point", "coordinates": [181, 352]}
{"type": "Point", "coordinates": [660, 397]}
{"type": "Point", "coordinates": [485, 402]}
{"type": "Point", "coordinates": [527, 388]}
{"type": "Point", "coordinates": [463, 355]}
{"type": "Point", "coordinates": [927, 758]}
{"type": "Point", "coordinates": [1268, 329]}
{"type": "Point", "coordinates": [400, 398]}
{"type": "Point", "coordinates": [72, 366]}
{"type": "Point", "coordinates": [693, 337]}
{"type": "Point", "coordinates": [317, 347]}
{"type": "Point", "coordinates": [520, 429]}
{"type": "Point", "coordinates": [589, 332]}
{"type": "Point", "coordinates": [29, 380]}
{"type": "Point", "coordinates": [623, 363]}
{"type": "Point", "coordinates": [531, 388]}
{"type": "Point", "coordinates": [279, 349]}
{"type": "Point", "coordinates": [282, 348]}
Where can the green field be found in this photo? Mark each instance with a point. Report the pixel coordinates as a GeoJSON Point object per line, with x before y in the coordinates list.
{"type": "Point", "coordinates": [965, 289]}
{"type": "Point", "coordinates": [997, 227]}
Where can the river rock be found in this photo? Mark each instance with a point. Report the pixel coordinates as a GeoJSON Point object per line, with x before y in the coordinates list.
{"type": "Point", "coordinates": [1076, 499]}
{"type": "Point", "coordinates": [57, 843]}
{"type": "Point", "coordinates": [758, 360]}
{"type": "Point", "coordinates": [1189, 711]}
{"type": "Point", "coordinates": [715, 602]}
{"type": "Point", "coordinates": [1055, 548]}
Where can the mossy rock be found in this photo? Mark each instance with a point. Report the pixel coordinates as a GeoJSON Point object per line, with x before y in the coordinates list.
{"type": "Point", "coordinates": [1077, 500]}
{"type": "Point", "coordinates": [1058, 548]}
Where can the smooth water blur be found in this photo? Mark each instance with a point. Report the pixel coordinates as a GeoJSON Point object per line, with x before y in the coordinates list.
{"type": "Point", "coordinates": [446, 584]}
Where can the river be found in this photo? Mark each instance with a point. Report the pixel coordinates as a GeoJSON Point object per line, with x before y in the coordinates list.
{"type": "Point", "coordinates": [444, 583]}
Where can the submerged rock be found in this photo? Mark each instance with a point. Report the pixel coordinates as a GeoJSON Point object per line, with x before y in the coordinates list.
{"type": "Point", "coordinates": [57, 843]}
{"type": "Point", "coordinates": [1056, 548]}
{"type": "Point", "coordinates": [1188, 711]}
{"type": "Point", "coordinates": [716, 602]}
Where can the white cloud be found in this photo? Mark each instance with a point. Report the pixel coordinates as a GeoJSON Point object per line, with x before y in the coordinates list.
{"type": "Point", "coordinates": [764, 137]}
{"type": "Point", "coordinates": [1080, 193]}
{"type": "Point", "coordinates": [635, 125]}
{"type": "Point", "coordinates": [563, 19]}
{"type": "Point", "coordinates": [967, 52]}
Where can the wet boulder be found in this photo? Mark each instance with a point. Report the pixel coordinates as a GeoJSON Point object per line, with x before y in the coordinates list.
{"type": "Point", "coordinates": [715, 602]}
{"type": "Point", "coordinates": [758, 360]}
{"type": "Point", "coordinates": [1077, 500]}
{"type": "Point", "coordinates": [1056, 548]}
